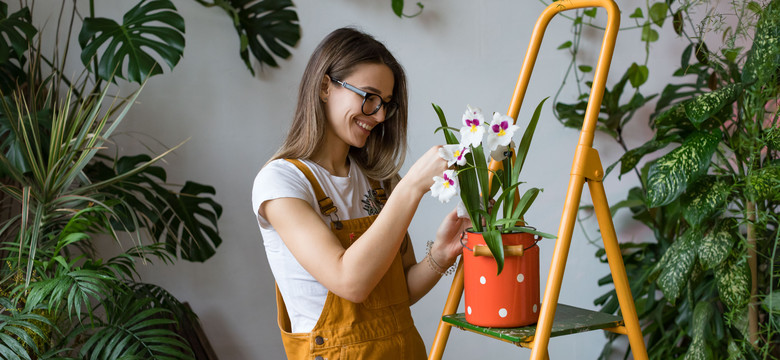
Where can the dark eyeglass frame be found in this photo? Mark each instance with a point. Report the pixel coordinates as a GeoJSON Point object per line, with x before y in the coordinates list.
{"type": "Point", "coordinates": [391, 107]}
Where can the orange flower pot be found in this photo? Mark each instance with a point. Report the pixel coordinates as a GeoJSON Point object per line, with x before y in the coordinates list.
{"type": "Point", "coordinates": [510, 299]}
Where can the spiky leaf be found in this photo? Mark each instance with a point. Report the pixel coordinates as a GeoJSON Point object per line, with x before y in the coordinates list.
{"type": "Point", "coordinates": [139, 33]}
{"type": "Point", "coordinates": [733, 281]}
{"type": "Point", "coordinates": [704, 198]}
{"type": "Point", "coordinates": [677, 264]}
{"type": "Point", "coordinates": [715, 245]}
{"type": "Point", "coordinates": [669, 176]}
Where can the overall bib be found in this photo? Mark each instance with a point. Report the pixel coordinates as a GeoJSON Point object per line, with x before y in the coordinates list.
{"type": "Point", "coordinates": [381, 327]}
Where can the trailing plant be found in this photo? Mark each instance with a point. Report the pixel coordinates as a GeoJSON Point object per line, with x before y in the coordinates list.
{"type": "Point", "coordinates": [494, 207]}
{"type": "Point", "coordinates": [711, 198]}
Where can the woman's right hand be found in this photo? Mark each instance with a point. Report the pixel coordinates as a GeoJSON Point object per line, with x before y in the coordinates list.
{"type": "Point", "coordinates": [421, 174]}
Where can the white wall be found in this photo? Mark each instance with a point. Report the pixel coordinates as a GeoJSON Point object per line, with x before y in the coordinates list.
{"type": "Point", "coordinates": [455, 53]}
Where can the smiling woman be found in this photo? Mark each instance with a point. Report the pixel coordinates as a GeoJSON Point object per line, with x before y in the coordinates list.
{"type": "Point", "coordinates": [344, 266]}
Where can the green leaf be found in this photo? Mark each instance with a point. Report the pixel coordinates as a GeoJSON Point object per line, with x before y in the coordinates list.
{"type": "Point", "coordinates": [675, 266]}
{"type": "Point", "coordinates": [631, 158]}
{"type": "Point", "coordinates": [771, 303]}
{"type": "Point", "coordinates": [585, 68]}
{"type": "Point", "coordinates": [525, 142]}
{"type": "Point", "coordinates": [658, 13]}
{"type": "Point", "coordinates": [139, 33]}
{"type": "Point", "coordinates": [590, 12]}
{"type": "Point", "coordinates": [705, 106]}
{"type": "Point", "coordinates": [649, 34]}
{"type": "Point", "coordinates": [448, 135]}
{"type": "Point", "coordinates": [715, 246]}
{"type": "Point", "coordinates": [704, 198]}
{"type": "Point", "coordinates": [637, 14]}
{"type": "Point", "coordinates": [764, 183]}
{"type": "Point", "coordinates": [496, 246]}
{"type": "Point", "coordinates": [269, 27]}
{"type": "Point", "coordinates": [398, 7]}
{"type": "Point", "coordinates": [16, 32]}
{"type": "Point", "coordinates": [703, 314]}
{"type": "Point", "coordinates": [677, 22]}
{"type": "Point", "coordinates": [761, 64]}
{"type": "Point", "coordinates": [565, 45]}
{"type": "Point", "coordinates": [638, 75]}
{"type": "Point", "coordinates": [669, 176]}
{"type": "Point", "coordinates": [702, 53]}
{"type": "Point", "coordinates": [733, 280]}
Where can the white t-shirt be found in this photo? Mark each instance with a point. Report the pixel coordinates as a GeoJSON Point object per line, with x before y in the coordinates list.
{"type": "Point", "coordinates": [303, 295]}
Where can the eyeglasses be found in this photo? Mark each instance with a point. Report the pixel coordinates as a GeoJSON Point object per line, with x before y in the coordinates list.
{"type": "Point", "coordinates": [371, 102]}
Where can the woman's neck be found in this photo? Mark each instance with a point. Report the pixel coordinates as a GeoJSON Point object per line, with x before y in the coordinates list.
{"type": "Point", "coordinates": [334, 159]}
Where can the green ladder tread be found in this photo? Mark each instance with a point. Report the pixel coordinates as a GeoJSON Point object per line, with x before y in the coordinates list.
{"type": "Point", "coordinates": [568, 320]}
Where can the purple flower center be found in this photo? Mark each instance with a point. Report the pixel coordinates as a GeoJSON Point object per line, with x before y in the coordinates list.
{"type": "Point", "coordinates": [498, 127]}
{"type": "Point", "coordinates": [447, 179]}
{"type": "Point", "coordinates": [472, 122]}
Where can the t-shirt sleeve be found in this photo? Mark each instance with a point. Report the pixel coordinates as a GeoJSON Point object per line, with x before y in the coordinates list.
{"type": "Point", "coordinates": [278, 179]}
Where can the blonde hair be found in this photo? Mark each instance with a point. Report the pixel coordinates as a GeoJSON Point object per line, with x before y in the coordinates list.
{"type": "Point", "coordinates": [336, 56]}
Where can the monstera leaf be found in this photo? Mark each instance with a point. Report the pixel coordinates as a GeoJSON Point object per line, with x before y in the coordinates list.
{"type": "Point", "coordinates": [264, 28]}
{"type": "Point", "coordinates": [16, 32]}
{"type": "Point", "coordinates": [152, 25]}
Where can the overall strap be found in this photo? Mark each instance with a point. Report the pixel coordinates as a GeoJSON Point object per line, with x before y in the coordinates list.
{"type": "Point", "coordinates": [325, 203]}
{"type": "Point", "coordinates": [378, 190]}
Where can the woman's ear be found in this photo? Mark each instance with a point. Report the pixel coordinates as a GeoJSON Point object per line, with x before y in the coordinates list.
{"type": "Point", "coordinates": [325, 88]}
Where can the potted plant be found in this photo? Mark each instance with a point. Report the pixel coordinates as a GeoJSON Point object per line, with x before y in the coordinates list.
{"type": "Point", "coordinates": [707, 282]}
{"type": "Point", "coordinates": [501, 259]}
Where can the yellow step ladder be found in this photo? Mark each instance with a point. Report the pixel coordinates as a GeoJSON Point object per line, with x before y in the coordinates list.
{"type": "Point", "coordinates": [555, 319]}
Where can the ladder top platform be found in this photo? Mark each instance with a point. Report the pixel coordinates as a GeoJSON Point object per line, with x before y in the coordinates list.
{"type": "Point", "coordinates": [568, 320]}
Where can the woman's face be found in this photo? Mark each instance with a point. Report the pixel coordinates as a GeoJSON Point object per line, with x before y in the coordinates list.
{"type": "Point", "coordinates": [346, 121]}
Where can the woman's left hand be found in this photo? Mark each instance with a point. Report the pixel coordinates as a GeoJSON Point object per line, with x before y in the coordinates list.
{"type": "Point", "coordinates": [447, 246]}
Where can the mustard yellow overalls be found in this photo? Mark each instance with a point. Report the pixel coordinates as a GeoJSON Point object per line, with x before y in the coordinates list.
{"type": "Point", "coordinates": [380, 328]}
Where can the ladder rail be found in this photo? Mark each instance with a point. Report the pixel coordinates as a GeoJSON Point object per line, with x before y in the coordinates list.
{"type": "Point", "coordinates": [586, 167]}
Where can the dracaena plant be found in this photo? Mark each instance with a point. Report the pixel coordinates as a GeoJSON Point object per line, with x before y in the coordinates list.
{"type": "Point", "coordinates": [490, 196]}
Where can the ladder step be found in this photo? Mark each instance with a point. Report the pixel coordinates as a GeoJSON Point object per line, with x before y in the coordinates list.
{"type": "Point", "coordinates": [568, 320]}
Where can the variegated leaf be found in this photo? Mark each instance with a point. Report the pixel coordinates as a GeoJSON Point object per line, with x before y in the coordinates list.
{"type": "Point", "coordinates": [670, 117]}
{"type": "Point", "coordinates": [764, 55]}
{"type": "Point", "coordinates": [674, 275]}
{"type": "Point", "coordinates": [669, 176]}
{"type": "Point", "coordinates": [765, 183]}
{"type": "Point", "coordinates": [703, 199]}
{"type": "Point", "coordinates": [733, 280]}
{"type": "Point", "coordinates": [702, 314]}
{"type": "Point", "coordinates": [716, 244]}
{"type": "Point", "coordinates": [631, 158]}
{"type": "Point", "coordinates": [705, 106]}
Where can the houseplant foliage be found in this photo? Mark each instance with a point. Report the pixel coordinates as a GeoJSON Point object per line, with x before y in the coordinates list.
{"type": "Point", "coordinates": [61, 196]}
{"type": "Point", "coordinates": [711, 196]}
{"type": "Point", "coordinates": [493, 206]}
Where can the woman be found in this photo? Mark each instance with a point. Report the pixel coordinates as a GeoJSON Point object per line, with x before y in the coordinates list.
{"type": "Point", "coordinates": [346, 273]}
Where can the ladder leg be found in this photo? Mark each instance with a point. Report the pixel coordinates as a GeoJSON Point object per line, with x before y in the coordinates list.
{"type": "Point", "coordinates": [553, 288]}
{"type": "Point", "coordinates": [618, 269]}
{"type": "Point", "coordinates": [450, 307]}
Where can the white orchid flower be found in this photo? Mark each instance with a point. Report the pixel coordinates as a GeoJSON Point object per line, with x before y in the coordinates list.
{"type": "Point", "coordinates": [473, 127]}
{"type": "Point", "coordinates": [454, 154]}
{"type": "Point", "coordinates": [501, 131]}
{"type": "Point", "coordinates": [445, 187]}
{"type": "Point", "coordinates": [502, 152]}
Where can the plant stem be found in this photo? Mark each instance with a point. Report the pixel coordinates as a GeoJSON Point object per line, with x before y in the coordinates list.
{"type": "Point", "coordinates": [753, 264]}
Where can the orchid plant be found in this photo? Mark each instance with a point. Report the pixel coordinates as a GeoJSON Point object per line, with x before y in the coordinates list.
{"type": "Point", "coordinates": [489, 196]}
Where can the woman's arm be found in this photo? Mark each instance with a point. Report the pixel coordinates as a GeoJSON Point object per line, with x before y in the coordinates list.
{"type": "Point", "coordinates": [422, 276]}
{"type": "Point", "coordinates": [354, 272]}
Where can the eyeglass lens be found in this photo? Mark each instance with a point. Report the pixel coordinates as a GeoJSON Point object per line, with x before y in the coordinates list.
{"type": "Point", "coordinates": [373, 102]}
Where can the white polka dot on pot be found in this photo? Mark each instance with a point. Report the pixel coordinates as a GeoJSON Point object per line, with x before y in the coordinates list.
{"type": "Point", "coordinates": [520, 277]}
{"type": "Point", "coordinates": [502, 312]}
{"type": "Point", "coordinates": [535, 308]}
{"type": "Point", "coordinates": [482, 280]}
{"type": "Point", "coordinates": [468, 309]}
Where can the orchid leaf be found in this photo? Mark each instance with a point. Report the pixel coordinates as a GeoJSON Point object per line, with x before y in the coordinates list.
{"type": "Point", "coordinates": [525, 202]}
{"type": "Point", "coordinates": [525, 229]}
{"type": "Point", "coordinates": [130, 41]}
{"type": "Point", "coordinates": [448, 135]}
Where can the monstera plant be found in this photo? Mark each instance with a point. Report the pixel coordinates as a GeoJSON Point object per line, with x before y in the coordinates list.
{"type": "Point", "coordinates": [709, 181]}
{"type": "Point", "coordinates": [61, 195]}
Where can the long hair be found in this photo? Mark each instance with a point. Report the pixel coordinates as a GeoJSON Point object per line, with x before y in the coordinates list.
{"type": "Point", "coordinates": [336, 56]}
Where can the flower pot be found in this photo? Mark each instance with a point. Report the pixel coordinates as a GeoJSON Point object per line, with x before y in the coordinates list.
{"type": "Point", "coordinates": [510, 299]}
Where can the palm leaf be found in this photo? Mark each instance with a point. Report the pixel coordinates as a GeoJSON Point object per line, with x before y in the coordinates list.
{"type": "Point", "coordinates": [130, 40]}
